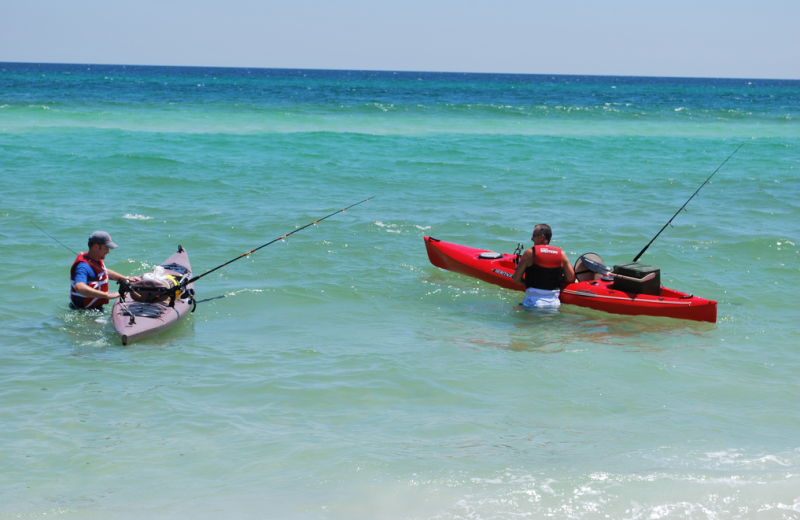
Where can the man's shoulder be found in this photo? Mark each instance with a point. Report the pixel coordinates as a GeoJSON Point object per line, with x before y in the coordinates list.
{"type": "Point", "coordinates": [82, 268]}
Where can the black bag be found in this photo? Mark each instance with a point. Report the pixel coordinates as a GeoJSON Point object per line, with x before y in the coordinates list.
{"type": "Point", "coordinates": [158, 290]}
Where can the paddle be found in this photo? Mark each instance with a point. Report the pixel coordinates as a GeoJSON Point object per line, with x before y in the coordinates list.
{"type": "Point", "coordinates": [184, 284]}
{"type": "Point", "coordinates": [684, 205]}
{"type": "Point", "coordinates": [640, 280]}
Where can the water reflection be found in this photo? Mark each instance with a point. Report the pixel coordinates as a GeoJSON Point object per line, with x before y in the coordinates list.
{"type": "Point", "coordinates": [571, 328]}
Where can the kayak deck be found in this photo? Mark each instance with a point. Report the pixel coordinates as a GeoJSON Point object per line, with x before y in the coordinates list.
{"type": "Point", "coordinates": [136, 320]}
{"type": "Point", "coordinates": [593, 294]}
{"type": "Point", "coordinates": [465, 260]}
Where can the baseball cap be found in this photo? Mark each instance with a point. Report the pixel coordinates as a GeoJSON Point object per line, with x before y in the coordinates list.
{"type": "Point", "coordinates": [102, 238]}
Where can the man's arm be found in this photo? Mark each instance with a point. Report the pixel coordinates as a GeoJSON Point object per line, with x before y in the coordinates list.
{"type": "Point", "coordinates": [525, 262]}
{"type": "Point", "coordinates": [81, 287]}
{"type": "Point", "coordinates": [569, 272]}
{"type": "Point", "coordinates": [113, 275]}
{"type": "Point", "coordinates": [87, 292]}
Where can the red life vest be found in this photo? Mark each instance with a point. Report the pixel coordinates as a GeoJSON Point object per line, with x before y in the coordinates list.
{"type": "Point", "coordinates": [101, 283]}
{"type": "Point", "coordinates": [546, 272]}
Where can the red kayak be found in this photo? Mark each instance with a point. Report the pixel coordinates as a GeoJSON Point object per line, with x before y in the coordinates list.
{"type": "Point", "coordinates": [590, 290]}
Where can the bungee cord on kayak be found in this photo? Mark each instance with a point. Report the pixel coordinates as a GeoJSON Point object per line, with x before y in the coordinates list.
{"type": "Point", "coordinates": [684, 205]}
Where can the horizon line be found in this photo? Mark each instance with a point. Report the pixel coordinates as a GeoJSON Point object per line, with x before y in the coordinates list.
{"type": "Point", "coordinates": [393, 71]}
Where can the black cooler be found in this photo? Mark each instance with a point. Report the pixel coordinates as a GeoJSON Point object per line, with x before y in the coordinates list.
{"type": "Point", "coordinates": [636, 270]}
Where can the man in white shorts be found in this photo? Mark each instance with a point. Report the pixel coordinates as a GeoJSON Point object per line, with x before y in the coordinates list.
{"type": "Point", "coordinates": [542, 269]}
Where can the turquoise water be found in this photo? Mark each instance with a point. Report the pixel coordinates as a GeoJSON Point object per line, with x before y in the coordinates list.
{"type": "Point", "coordinates": [345, 377]}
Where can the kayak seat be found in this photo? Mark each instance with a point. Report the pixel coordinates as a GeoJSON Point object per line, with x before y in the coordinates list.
{"type": "Point", "coordinates": [582, 271]}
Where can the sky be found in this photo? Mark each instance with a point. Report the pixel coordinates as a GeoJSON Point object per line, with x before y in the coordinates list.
{"type": "Point", "coordinates": [698, 38]}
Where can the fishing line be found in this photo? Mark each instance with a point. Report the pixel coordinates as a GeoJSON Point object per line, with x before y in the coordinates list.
{"type": "Point", "coordinates": [273, 241]}
{"type": "Point", "coordinates": [684, 205]}
{"type": "Point", "coordinates": [48, 234]}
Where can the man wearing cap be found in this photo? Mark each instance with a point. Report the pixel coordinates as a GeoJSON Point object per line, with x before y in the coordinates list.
{"type": "Point", "coordinates": [89, 275]}
{"type": "Point", "coordinates": [542, 269]}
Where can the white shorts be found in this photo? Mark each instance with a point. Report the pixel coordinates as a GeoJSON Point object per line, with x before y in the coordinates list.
{"type": "Point", "coordinates": [541, 299]}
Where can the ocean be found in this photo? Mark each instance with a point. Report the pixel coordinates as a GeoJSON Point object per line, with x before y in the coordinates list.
{"type": "Point", "coordinates": [343, 376]}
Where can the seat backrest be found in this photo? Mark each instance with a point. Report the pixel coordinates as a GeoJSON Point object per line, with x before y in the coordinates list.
{"type": "Point", "coordinates": [583, 273]}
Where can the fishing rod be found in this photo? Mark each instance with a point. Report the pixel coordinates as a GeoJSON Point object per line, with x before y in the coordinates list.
{"type": "Point", "coordinates": [684, 205]}
{"type": "Point", "coordinates": [272, 242]}
{"type": "Point", "coordinates": [48, 234]}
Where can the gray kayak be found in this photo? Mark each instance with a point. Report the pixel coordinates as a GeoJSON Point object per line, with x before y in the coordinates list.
{"type": "Point", "coordinates": [135, 320]}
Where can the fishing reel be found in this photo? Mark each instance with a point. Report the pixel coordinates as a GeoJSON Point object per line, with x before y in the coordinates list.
{"type": "Point", "coordinates": [518, 253]}
{"type": "Point", "coordinates": [188, 292]}
{"type": "Point", "coordinates": [123, 288]}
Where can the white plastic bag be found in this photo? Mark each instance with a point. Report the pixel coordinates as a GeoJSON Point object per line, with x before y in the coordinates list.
{"type": "Point", "coordinates": [157, 274]}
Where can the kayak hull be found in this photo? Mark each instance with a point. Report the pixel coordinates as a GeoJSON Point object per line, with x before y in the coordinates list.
{"type": "Point", "coordinates": [600, 295]}
{"type": "Point", "coordinates": [135, 321]}
{"type": "Point", "coordinates": [593, 294]}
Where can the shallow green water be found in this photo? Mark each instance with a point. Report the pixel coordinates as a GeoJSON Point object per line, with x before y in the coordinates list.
{"type": "Point", "coordinates": [346, 377]}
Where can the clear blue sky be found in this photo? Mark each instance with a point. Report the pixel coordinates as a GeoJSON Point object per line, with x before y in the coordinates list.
{"type": "Point", "coordinates": [699, 38]}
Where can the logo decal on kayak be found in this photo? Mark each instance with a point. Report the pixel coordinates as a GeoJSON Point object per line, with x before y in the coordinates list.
{"type": "Point", "coordinates": [503, 273]}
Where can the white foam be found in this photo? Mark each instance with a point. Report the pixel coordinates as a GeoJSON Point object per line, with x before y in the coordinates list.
{"type": "Point", "coordinates": [773, 458]}
{"type": "Point", "coordinates": [793, 507]}
{"type": "Point", "coordinates": [487, 480]}
{"type": "Point", "coordinates": [136, 217]}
